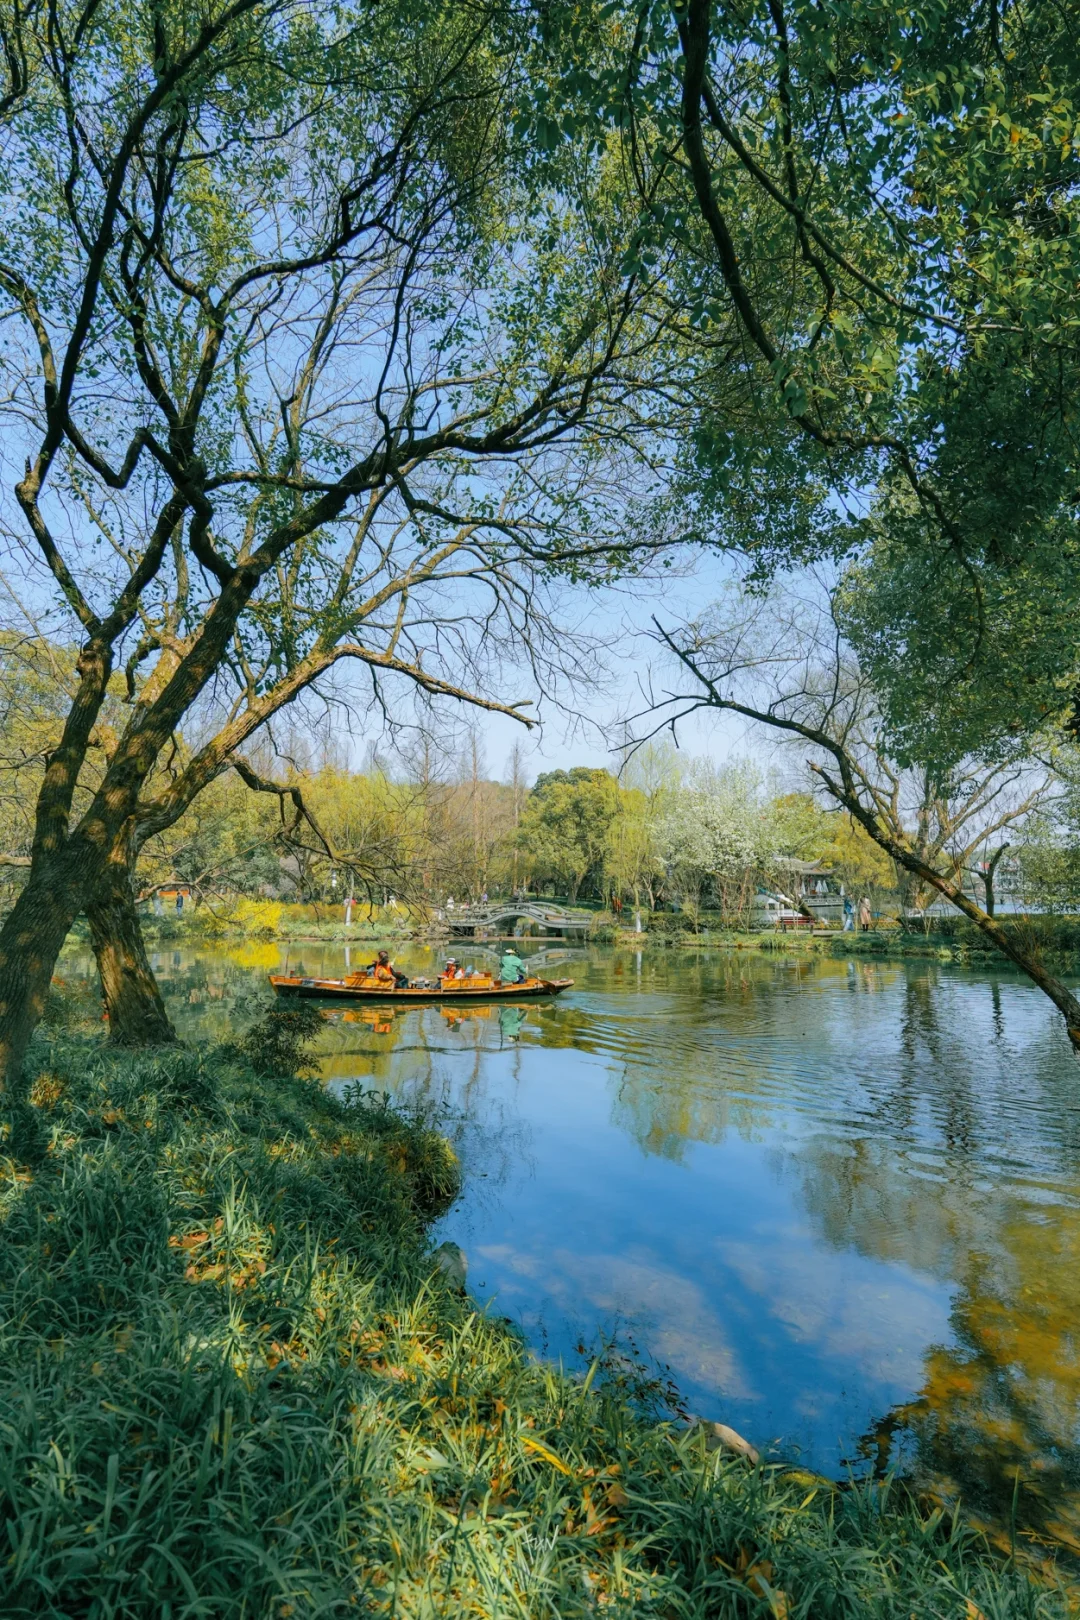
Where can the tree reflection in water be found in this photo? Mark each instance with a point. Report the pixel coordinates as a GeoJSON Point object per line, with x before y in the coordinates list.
{"type": "Point", "coordinates": [998, 1414]}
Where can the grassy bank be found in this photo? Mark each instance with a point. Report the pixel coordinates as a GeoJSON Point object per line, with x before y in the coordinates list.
{"type": "Point", "coordinates": [233, 1382]}
{"type": "Point", "coordinates": [666, 937]}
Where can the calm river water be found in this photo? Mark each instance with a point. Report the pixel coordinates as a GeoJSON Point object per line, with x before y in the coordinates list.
{"type": "Point", "coordinates": [839, 1200]}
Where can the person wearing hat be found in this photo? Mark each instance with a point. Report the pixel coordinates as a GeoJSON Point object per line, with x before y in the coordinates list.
{"type": "Point", "coordinates": [511, 968]}
{"type": "Point", "coordinates": [452, 970]}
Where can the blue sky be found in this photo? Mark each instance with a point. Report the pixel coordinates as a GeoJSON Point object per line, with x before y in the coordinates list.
{"type": "Point", "coordinates": [622, 621]}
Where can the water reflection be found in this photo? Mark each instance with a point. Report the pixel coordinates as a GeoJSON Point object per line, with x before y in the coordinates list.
{"type": "Point", "coordinates": [840, 1199]}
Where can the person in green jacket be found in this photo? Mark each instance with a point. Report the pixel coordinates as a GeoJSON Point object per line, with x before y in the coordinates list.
{"type": "Point", "coordinates": [511, 968]}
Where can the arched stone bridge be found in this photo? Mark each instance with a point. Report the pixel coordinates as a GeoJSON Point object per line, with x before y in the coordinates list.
{"type": "Point", "coordinates": [480, 920]}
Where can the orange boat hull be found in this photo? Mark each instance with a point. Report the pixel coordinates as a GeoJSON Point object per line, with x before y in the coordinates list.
{"type": "Point", "coordinates": [342, 990]}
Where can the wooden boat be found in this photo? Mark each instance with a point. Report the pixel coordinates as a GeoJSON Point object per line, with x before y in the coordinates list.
{"type": "Point", "coordinates": [359, 988]}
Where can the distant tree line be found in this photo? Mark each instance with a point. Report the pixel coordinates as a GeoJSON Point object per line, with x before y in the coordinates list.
{"type": "Point", "coordinates": [661, 830]}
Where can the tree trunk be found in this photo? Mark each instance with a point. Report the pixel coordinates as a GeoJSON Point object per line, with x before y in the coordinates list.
{"type": "Point", "coordinates": [136, 1012]}
{"type": "Point", "coordinates": [988, 877]}
{"type": "Point", "coordinates": [30, 941]}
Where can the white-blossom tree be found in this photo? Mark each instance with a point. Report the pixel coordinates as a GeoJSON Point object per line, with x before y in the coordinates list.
{"type": "Point", "coordinates": [718, 832]}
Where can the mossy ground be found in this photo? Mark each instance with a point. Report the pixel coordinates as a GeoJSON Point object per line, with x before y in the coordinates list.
{"type": "Point", "coordinates": [233, 1383]}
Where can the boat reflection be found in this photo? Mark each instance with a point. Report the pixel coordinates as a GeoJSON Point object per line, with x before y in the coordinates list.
{"type": "Point", "coordinates": [453, 1017]}
{"type": "Point", "coordinates": [378, 1019]}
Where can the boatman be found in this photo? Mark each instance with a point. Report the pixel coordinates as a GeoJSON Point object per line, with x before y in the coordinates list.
{"type": "Point", "coordinates": [511, 968]}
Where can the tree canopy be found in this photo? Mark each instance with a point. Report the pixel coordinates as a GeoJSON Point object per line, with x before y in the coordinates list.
{"type": "Point", "coordinates": [887, 197]}
{"type": "Point", "coordinates": [563, 831]}
{"type": "Point", "coordinates": [342, 340]}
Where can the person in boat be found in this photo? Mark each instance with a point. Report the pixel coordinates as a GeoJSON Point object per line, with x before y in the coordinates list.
{"type": "Point", "coordinates": [383, 971]}
{"type": "Point", "coordinates": [511, 968]}
{"type": "Point", "coordinates": [452, 970]}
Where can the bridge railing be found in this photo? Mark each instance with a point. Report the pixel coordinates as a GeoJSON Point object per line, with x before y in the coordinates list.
{"type": "Point", "coordinates": [529, 911]}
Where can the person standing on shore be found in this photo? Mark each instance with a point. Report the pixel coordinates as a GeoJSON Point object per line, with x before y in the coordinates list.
{"type": "Point", "coordinates": [865, 914]}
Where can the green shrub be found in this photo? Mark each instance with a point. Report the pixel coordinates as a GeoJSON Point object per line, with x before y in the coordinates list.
{"type": "Point", "coordinates": [667, 924]}
{"type": "Point", "coordinates": [281, 1039]}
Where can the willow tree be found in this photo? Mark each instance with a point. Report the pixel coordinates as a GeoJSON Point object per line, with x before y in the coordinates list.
{"type": "Point", "coordinates": [915, 173]}
{"type": "Point", "coordinates": [189, 196]}
{"type": "Point", "coordinates": [922, 166]}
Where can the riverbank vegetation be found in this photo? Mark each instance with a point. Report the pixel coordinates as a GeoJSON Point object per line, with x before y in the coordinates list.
{"type": "Point", "coordinates": [422, 825]}
{"type": "Point", "coordinates": [234, 1379]}
{"type": "Point", "coordinates": [1057, 940]}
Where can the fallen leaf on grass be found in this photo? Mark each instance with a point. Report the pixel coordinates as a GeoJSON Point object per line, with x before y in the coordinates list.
{"type": "Point", "coordinates": [549, 1456]}
{"type": "Point", "coordinates": [191, 1241]}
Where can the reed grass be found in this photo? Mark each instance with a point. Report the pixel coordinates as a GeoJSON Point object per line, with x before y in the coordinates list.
{"type": "Point", "coordinates": [233, 1383]}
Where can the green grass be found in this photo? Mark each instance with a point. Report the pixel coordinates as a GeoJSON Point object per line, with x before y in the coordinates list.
{"type": "Point", "coordinates": [233, 1383]}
